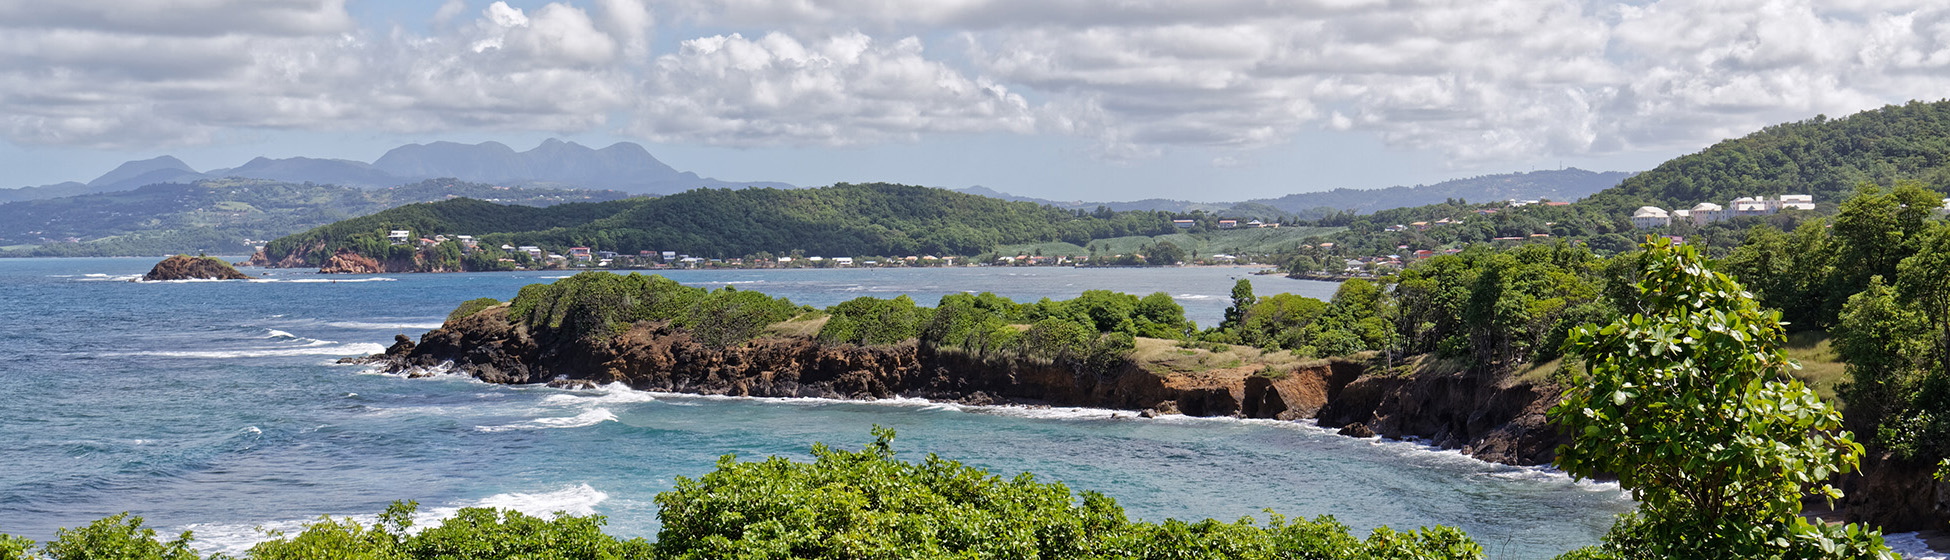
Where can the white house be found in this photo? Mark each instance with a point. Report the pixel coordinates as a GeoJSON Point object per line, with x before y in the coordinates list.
{"type": "Point", "coordinates": [1650, 217]}
{"type": "Point", "coordinates": [399, 236]}
{"type": "Point", "coordinates": [843, 261]}
{"type": "Point", "coordinates": [1707, 212]}
{"type": "Point", "coordinates": [1795, 202]}
{"type": "Point", "coordinates": [1751, 206]}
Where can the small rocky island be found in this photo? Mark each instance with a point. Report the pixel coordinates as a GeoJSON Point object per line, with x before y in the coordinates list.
{"type": "Point", "coordinates": [185, 267]}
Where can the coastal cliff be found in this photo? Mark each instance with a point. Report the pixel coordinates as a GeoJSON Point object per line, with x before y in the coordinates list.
{"type": "Point", "coordinates": [653, 356]}
{"type": "Point", "coordinates": [656, 357]}
{"type": "Point", "coordinates": [185, 267]}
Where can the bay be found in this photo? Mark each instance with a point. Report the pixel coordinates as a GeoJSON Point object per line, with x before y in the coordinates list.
{"type": "Point", "coordinates": [215, 407]}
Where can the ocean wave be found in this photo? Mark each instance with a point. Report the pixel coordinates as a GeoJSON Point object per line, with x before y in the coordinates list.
{"type": "Point", "coordinates": [613, 393]}
{"type": "Point", "coordinates": [1912, 547]}
{"type": "Point", "coordinates": [235, 539]}
{"type": "Point", "coordinates": [108, 278]}
{"type": "Point", "coordinates": [274, 333]}
{"type": "Point", "coordinates": [589, 417]}
{"type": "Point", "coordinates": [328, 349]}
{"type": "Point", "coordinates": [1196, 297]}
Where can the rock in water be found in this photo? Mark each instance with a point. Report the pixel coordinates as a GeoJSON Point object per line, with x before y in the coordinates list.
{"type": "Point", "coordinates": [1357, 429]}
{"type": "Point", "coordinates": [185, 267]}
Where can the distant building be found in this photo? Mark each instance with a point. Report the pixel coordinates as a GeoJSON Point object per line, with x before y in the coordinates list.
{"type": "Point", "coordinates": [1752, 206]}
{"type": "Point", "coordinates": [579, 253]}
{"type": "Point", "coordinates": [1256, 224]}
{"type": "Point", "coordinates": [843, 261]}
{"type": "Point", "coordinates": [1228, 224]}
{"type": "Point", "coordinates": [1707, 212]}
{"type": "Point", "coordinates": [1794, 202]}
{"type": "Point", "coordinates": [399, 236]}
{"type": "Point", "coordinates": [1184, 224]}
{"type": "Point", "coordinates": [1648, 217]}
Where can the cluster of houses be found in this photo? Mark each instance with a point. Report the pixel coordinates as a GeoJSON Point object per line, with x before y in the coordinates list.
{"type": "Point", "coordinates": [1706, 212]}
{"type": "Point", "coordinates": [405, 237]}
{"type": "Point", "coordinates": [1422, 226]}
{"type": "Point", "coordinates": [1226, 224]}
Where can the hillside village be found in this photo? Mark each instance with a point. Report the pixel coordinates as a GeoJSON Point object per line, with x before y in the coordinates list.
{"type": "Point", "coordinates": [1648, 217]}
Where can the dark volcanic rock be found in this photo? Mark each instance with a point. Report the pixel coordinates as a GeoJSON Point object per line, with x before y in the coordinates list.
{"type": "Point", "coordinates": [185, 267]}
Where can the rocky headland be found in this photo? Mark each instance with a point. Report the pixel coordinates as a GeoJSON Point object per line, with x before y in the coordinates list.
{"type": "Point", "coordinates": [185, 267]}
{"type": "Point", "coordinates": [653, 356]}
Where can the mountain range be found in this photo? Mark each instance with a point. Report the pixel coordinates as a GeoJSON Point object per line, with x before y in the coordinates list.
{"type": "Point", "coordinates": [623, 166]}
{"type": "Point", "coordinates": [1558, 184]}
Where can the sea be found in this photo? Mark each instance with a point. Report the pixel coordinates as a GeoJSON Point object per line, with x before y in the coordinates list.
{"type": "Point", "coordinates": [218, 408]}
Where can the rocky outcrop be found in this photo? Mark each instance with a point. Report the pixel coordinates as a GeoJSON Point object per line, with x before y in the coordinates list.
{"type": "Point", "coordinates": [1894, 494]}
{"type": "Point", "coordinates": [185, 267]}
{"type": "Point", "coordinates": [1475, 413]}
{"type": "Point", "coordinates": [653, 356]}
{"type": "Point", "coordinates": [1485, 415]}
{"type": "Point", "coordinates": [347, 262]}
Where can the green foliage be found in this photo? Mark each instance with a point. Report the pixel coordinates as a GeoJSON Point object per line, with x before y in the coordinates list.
{"type": "Point", "coordinates": [867, 504]}
{"type": "Point", "coordinates": [874, 321]}
{"type": "Point", "coordinates": [1689, 403]}
{"type": "Point", "coordinates": [470, 307]}
{"type": "Point", "coordinates": [595, 305]}
{"type": "Point", "coordinates": [15, 548]}
{"type": "Point", "coordinates": [1821, 156]}
{"type": "Point", "coordinates": [843, 219]}
{"type": "Point", "coordinates": [366, 235]}
{"type": "Point", "coordinates": [117, 537]}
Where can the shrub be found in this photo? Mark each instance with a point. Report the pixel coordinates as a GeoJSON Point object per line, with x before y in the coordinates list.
{"type": "Point", "coordinates": [470, 307]}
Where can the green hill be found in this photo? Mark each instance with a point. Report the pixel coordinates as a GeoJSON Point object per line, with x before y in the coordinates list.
{"type": "Point", "coordinates": [1820, 156]}
{"type": "Point", "coordinates": [222, 216]}
{"type": "Point", "coordinates": [840, 220]}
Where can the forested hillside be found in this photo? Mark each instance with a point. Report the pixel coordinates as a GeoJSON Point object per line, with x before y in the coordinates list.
{"type": "Point", "coordinates": [843, 219]}
{"type": "Point", "coordinates": [1821, 156]}
{"type": "Point", "coordinates": [223, 216]}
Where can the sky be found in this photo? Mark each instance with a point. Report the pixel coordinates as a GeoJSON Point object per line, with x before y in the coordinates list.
{"type": "Point", "coordinates": [1208, 100]}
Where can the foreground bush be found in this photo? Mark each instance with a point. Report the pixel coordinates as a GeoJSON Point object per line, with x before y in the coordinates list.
{"type": "Point", "coordinates": [861, 504]}
{"type": "Point", "coordinates": [1691, 405]}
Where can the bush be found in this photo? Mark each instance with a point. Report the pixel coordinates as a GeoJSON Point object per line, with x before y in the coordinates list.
{"type": "Point", "coordinates": [874, 321]}
{"type": "Point", "coordinates": [1690, 405]}
{"type": "Point", "coordinates": [470, 307]}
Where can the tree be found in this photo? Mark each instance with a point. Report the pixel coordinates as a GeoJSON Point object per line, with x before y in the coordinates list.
{"type": "Point", "coordinates": [1689, 403]}
{"type": "Point", "coordinates": [1879, 340]}
{"type": "Point", "coordinates": [1242, 301]}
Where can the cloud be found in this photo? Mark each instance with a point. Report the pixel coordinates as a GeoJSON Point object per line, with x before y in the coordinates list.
{"type": "Point", "coordinates": [1475, 80]}
{"type": "Point", "coordinates": [844, 89]}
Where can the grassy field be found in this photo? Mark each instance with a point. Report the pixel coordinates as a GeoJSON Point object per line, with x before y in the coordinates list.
{"type": "Point", "coordinates": [1236, 241]}
{"type": "Point", "coordinates": [1820, 368]}
{"type": "Point", "coordinates": [1166, 356]}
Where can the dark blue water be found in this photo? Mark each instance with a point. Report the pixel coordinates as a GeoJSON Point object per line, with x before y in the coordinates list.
{"type": "Point", "coordinates": [215, 406]}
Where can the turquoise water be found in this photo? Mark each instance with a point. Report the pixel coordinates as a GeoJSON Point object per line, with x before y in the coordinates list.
{"type": "Point", "coordinates": [214, 406]}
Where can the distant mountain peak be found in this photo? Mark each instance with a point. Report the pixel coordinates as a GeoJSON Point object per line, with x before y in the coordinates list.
{"type": "Point", "coordinates": [133, 169]}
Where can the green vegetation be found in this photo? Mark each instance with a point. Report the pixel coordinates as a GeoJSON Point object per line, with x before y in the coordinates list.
{"type": "Point", "coordinates": [470, 307]}
{"type": "Point", "coordinates": [1244, 241]}
{"type": "Point", "coordinates": [1689, 403]}
{"type": "Point", "coordinates": [592, 306]}
{"type": "Point", "coordinates": [841, 505]}
{"type": "Point", "coordinates": [841, 220]}
{"type": "Point", "coordinates": [221, 216]}
{"type": "Point", "coordinates": [1824, 157]}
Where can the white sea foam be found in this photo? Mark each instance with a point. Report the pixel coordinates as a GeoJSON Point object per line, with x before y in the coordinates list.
{"type": "Point", "coordinates": [589, 417]}
{"type": "Point", "coordinates": [1195, 297]}
{"type": "Point", "coordinates": [236, 538]}
{"type": "Point", "coordinates": [108, 278]}
{"type": "Point", "coordinates": [614, 393]}
{"type": "Point", "coordinates": [327, 349]}
{"type": "Point", "coordinates": [1912, 547]}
